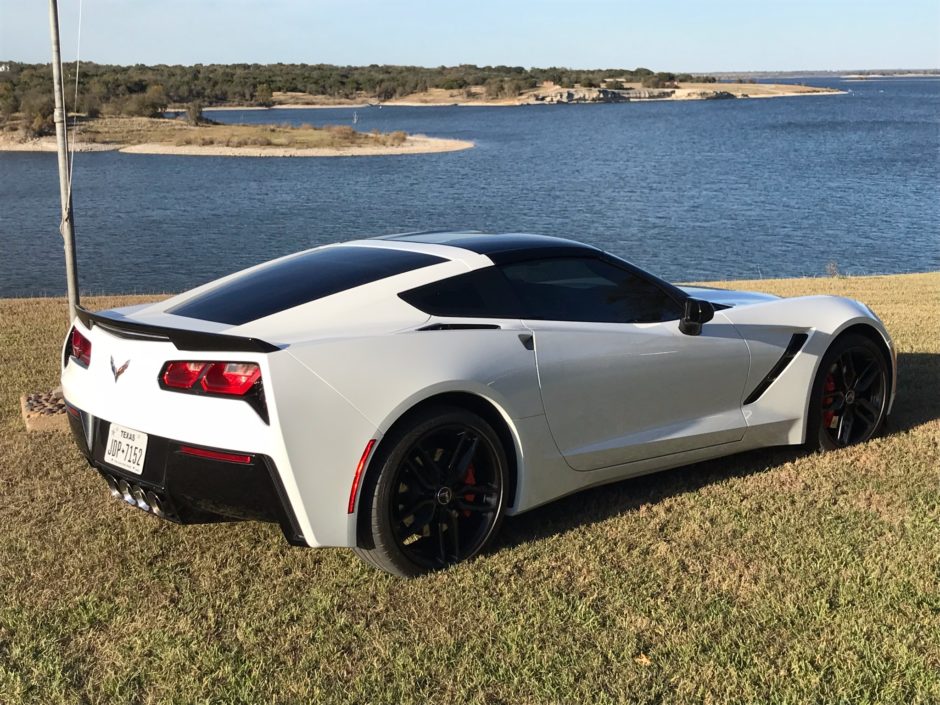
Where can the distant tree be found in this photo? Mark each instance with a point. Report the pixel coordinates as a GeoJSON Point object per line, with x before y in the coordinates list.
{"type": "Point", "coordinates": [91, 106]}
{"type": "Point", "coordinates": [386, 91]}
{"type": "Point", "coordinates": [194, 112]}
{"type": "Point", "coordinates": [37, 108]}
{"type": "Point", "coordinates": [9, 103]}
{"type": "Point", "coordinates": [263, 95]}
{"type": "Point", "coordinates": [493, 88]}
{"type": "Point", "coordinates": [151, 103]}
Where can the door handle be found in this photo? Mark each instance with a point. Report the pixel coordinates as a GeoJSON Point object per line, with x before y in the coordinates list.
{"type": "Point", "coordinates": [528, 342]}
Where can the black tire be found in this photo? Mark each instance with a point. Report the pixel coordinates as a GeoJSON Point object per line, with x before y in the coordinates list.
{"type": "Point", "coordinates": [435, 493]}
{"type": "Point", "coordinates": [850, 394]}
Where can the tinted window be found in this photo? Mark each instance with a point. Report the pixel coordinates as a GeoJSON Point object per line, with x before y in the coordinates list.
{"type": "Point", "coordinates": [587, 289]}
{"type": "Point", "coordinates": [482, 293]}
{"type": "Point", "coordinates": [298, 280]}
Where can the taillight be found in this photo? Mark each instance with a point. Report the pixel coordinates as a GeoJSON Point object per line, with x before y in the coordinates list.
{"type": "Point", "coordinates": [182, 375]}
{"type": "Point", "coordinates": [228, 378]}
{"type": "Point", "coordinates": [234, 378]}
{"type": "Point", "coordinates": [208, 378]}
{"type": "Point", "coordinates": [80, 348]}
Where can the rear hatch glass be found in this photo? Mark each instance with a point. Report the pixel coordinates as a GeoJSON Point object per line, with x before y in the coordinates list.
{"type": "Point", "coordinates": [298, 280]}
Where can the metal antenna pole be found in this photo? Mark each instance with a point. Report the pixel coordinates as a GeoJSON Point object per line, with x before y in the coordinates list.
{"type": "Point", "coordinates": [65, 192]}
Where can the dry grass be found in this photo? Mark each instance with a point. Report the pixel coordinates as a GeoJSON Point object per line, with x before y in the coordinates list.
{"type": "Point", "coordinates": [773, 576]}
{"type": "Point", "coordinates": [131, 131]}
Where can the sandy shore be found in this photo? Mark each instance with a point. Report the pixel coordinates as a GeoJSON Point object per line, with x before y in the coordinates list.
{"type": "Point", "coordinates": [415, 144]}
{"type": "Point", "coordinates": [48, 144]}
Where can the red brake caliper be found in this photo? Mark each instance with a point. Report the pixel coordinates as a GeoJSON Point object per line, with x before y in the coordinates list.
{"type": "Point", "coordinates": [828, 416]}
{"type": "Point", "coordinates": [469, 479]}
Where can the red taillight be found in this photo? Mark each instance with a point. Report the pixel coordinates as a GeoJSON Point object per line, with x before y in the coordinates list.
{"type": "Point", "coordinates": [81, 348]}
{"type": "Point", "coordinates": [182, 375]}
{"type": "Point", "coordinates": [358, 476]}
{"type": "Point", "coordinates": [228, 378]}
{"type": "Point", "coordinates": [216, 455]}
{"type": "Point", "coordinates": [234, 378]}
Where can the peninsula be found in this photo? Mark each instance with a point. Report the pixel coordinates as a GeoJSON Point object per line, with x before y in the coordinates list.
{"type": "Point", "coordinates": [145, 135]}
{"type": "Point", "coordinates": [125, 107]}
{"type": "Point", "coordinates": [550, 93]}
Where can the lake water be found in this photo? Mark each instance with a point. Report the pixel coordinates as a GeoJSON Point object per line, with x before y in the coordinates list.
{"type": "Point", "coordinates": [690, 190]}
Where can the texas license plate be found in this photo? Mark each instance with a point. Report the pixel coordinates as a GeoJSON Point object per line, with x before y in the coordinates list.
{"type": "Point", "coordinates": [126, 449]}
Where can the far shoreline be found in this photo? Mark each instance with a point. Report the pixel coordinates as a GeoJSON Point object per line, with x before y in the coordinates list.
{"type": "Point", "coordinates": [438, 98]}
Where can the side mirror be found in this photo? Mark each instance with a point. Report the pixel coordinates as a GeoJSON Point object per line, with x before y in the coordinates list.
{"type": "Point", "coordinates": [696, 313]}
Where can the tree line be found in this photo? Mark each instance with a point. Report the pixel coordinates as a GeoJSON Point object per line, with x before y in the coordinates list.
{"type": "Point", "coordinates": [148, 90]}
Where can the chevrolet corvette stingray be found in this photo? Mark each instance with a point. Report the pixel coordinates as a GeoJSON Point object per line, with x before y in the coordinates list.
{"type": "Point", "coordinates": [399, 395]}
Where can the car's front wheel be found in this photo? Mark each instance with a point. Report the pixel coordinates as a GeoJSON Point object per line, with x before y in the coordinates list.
{"type": "Point", "coordinates": [850, 394]}
{"type": "Point", "coordinates": [436, 493]}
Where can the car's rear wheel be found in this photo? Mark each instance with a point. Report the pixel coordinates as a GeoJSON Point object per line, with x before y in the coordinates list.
{"type": "Point", "coordinates": [435, 495]}
{"type": "Point", "coordinates": [850, 394]}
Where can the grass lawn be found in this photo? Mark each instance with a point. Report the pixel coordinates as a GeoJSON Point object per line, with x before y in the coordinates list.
{"type": "Point", "coordinates": [772, 576]}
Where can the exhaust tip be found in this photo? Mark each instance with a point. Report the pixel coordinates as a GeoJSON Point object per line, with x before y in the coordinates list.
{"type": "Point", "coordinates": [125, 490]}
{"type": "Point", "coordinates": [140, 498]}
{"type": "Point", "coordinates": [112, 487]}
{"type": "Point", "coordinates": [155, 506]}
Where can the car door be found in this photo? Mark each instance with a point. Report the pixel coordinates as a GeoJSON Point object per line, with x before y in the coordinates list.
{"type": "Point", "coordinates": [619, 381]}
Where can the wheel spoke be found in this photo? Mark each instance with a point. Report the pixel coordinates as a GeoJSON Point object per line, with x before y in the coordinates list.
{"type": "Point", "coordinates": [421, 475]}
{"type": "Point", "coordinates": [844, 432]}
{"type": "Point", "coordinates": [847, 369]}
{"type": "Point", "coordinates": [867, 377]}
{"type": "Point", "coordinates": [453, 528]}
{"type": "Point", "coordinates": [463, 456]}
{"type": "Point", "coordinates": [867, 412]}
{"type": "Point", "coordinates": [836, 401]}
{"type": "Point", "coordinates": [430, 464]}
{"type": "Point", "coordinates": [489, 505]}
{"type": "Point", "coordinates": [413, 510]}
{"type": "Point", "coordinates": [441, 550]}
{"type": "Point", "coordinates": [474, 490]}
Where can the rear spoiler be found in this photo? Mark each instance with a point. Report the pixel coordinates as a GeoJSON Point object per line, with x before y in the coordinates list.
{"type": "Point", "coordinates": [192, 340]}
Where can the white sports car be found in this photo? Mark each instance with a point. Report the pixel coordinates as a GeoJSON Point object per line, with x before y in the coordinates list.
{"type": "Point", "coordinates": [399, 395]}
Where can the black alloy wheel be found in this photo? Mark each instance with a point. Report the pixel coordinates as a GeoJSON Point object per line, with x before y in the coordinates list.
{"type": "Point", "coordinates": [439, 495]}
{"type": "Point", "coordinates": [850, 393]}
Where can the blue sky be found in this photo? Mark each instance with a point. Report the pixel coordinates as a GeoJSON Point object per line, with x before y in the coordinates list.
{"type": "Point", "coordinates": [675, 35]}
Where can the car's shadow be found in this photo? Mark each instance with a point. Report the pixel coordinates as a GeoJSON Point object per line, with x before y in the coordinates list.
{"type": "Point", "coordinates": [917, 403]}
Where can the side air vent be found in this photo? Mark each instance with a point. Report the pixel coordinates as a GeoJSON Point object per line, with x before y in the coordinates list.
{"type": "Point", "coordinates": [461, 326]}
{"type": "Point", "coordinates": [797, 341]}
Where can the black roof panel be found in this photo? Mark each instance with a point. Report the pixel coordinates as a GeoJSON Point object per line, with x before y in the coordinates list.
{"type": "Point", "coordinates": [501, 246]}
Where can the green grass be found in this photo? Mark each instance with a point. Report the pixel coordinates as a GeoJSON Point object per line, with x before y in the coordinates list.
{"type": "Point", "coordinates": [772, 576]}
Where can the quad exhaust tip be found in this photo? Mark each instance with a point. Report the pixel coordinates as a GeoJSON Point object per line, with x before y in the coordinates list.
{"type": "Point", "coordinates": [113, 488]}
{"type": "Point", "coordinates": [136, 496]}
{"type": "Point", "coordinates": [125, 490]}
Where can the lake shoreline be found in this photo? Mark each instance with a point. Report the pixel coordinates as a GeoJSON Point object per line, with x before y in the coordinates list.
{"type": "Point", "coordinates": [413, 144]}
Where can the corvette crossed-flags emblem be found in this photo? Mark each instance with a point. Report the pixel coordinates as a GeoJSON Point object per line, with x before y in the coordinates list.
{"type": "Point", "coordinates": [118, 371]}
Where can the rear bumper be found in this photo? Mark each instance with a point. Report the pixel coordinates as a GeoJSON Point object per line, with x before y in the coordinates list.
{"type": "Point", "coordinates": [187, 489]}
